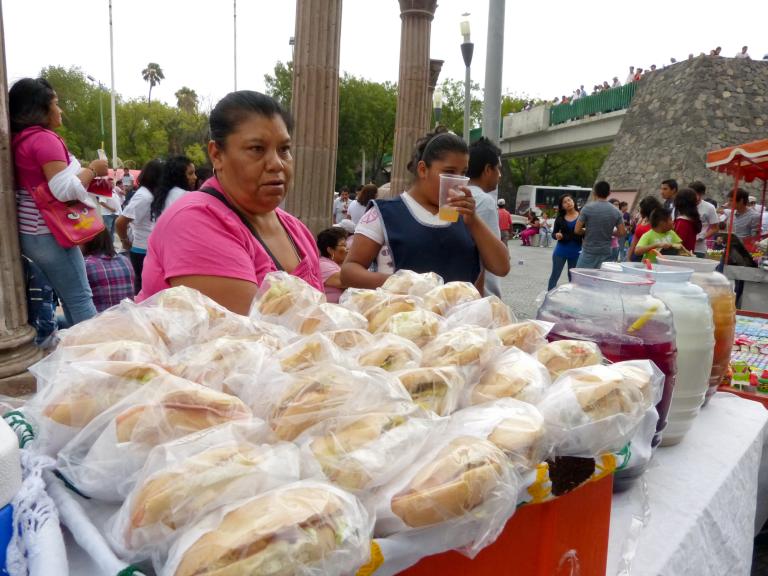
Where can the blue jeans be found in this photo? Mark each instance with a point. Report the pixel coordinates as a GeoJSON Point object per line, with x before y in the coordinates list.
{"type": "Point", "coordinates": [109, 224]}
{"type": "Point", "coordinates": [587, 260]}
{"type": "Point", "coordinates": [65, 270]}
{"type": "Point", "coordinates": [558, 263]}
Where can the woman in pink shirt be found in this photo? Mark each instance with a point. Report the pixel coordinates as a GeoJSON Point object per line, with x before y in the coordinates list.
{"type": "Point", "coordinates": [332, 244]}
{"type": "Point", "coordinates": [225, 238]}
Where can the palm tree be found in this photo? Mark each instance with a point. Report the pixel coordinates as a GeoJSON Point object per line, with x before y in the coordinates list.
{"type": "Point", "coordinates": [186, 100]}
{"type": "Point", "coordinates": [152, 74]}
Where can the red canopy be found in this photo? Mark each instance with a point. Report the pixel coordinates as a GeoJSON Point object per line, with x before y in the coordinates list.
{"type": "Point", "coordinates": [749, 161]}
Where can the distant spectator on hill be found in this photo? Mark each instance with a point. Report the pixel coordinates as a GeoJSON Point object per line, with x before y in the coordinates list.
{"type": "Point", "coordinates": [673, 61]}
{"type": "Point", "coordinates": [631, 76]}
{"type": "Point", "coordinates": [743, 54]}
{"type": "Point", "coordinates": [616, 82]}
{"type": "Point", "coordinates": [638, 74]}
{"type": "Point", "coordinates": [606, 86]}
{"type": "Point", "coordinates": [653, 67]}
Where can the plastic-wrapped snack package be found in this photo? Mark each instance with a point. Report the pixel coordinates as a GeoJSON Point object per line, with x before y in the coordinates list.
{"type": "Point", "coordinates": [122, 322]}
{"type": "Point", "coordinates": [364, 451]}
{"type": "Point", "coordinates": [390, 353]}
{"type": "Point", "coordinates": [413, 283]}
{"type": "Point", "coordinates": [291, 403]}
{"type": "Point", "coordinates": [281, 296]}
{"type": "Point", "coordinates": [511, 374]}
{"type": "Point", "coordinates": [71, 397]}
{"type": "Point", "coordinates": [361, 300]}
{"type": "Point", "coordinates": [326, 317]}
{"type": "Point", "coordinates": [116, 351]}
{"type": "Point", "coordinates": [103, 459]}
{"type": "Point", "coordinates": [461, 489]}
{"type": "Point", "coordinates": [516, 427]}
{"type": "Point", "coordinates": [488, 312]}
{"type": "Point", "coordinates": [529, 335]}
{"type": "Point", "coordinates": [244, 328]}
{"type": "Point", "coordinates": [309, 351]}
{"type": "Point", "coordinates": [438, 390]}
{"type": "Point", "coordinates": [186, 479]}
{"type": "Point", "coordinates": [467, 346]}
{"type": "Point", "coordinates": [563, 355]}
{"type": "Point", "coordinates": [443, 298]}
{"type": "Point", "coordinates": [592, 410]}
{"type": "Point", "coordinates": [182, 316]}
{"type": "Point", "coordinates": [419, 326]}
{"type": "Point", "coordinates": [211, 363]}
{"type": "Point", "coordinates": [391, 304]}
{"type": "Point", "coordinates": [350, 339]}
{"type": "Point", "coordinates": [305, 528]}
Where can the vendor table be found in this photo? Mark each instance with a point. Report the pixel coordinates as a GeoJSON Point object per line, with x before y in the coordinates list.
{"type": "Point", "coordinates": [755, 295]}
{"type": "Point", "coordinates": [693, 513]}
{"type": "Point", "coordinates": [698, 498]}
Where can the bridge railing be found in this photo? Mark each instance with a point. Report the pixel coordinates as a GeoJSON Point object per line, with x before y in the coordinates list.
{"type": "Point", "coordinates": [602, 102]}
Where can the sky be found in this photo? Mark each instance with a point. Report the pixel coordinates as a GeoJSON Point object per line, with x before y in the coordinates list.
{"type": "Point", "coordinates": [550, 48]}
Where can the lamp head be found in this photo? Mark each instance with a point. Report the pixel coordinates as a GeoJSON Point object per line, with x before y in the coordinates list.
{"type": "Point", "coordinates": [465, 26]}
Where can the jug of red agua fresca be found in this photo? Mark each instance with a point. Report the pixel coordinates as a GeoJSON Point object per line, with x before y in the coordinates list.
{"type": "Point", "coordinates": [619, 314]}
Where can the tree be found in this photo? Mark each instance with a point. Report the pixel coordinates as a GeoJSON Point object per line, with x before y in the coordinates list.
{"type": "Point", "coordinates": [280, 86]}
{"type": "Point", "coordinates": [186, 100]}
{"type": "Point", "coordinates": [453, 106]}
{"type": "Point", "coordinates": [152, 74]}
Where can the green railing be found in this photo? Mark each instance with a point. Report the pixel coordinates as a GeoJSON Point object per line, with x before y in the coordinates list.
{"type": "Point", "coordinates": [602, 102]}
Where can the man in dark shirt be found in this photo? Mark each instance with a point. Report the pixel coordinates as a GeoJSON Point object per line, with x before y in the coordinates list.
{"type": "Point", "coordinates": [598, 222]}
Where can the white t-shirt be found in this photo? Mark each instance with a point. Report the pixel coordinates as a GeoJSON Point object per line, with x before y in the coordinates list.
{"type": "Point", "coordinates": [173, 194]}
{"type": "Point", "coordinates": [708, 216]}
{"type": "Point", "coordinates": [138, 211]}
{"type": "Point", "coordinates": [113, 203]}
{"type": "Point", "coordinates": [371, 226]}
{"type": "Point", "coordinates": [355, 211]}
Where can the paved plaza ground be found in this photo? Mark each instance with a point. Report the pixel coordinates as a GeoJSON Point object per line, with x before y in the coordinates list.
{"type": "Point", "coordinates": [527, 280]}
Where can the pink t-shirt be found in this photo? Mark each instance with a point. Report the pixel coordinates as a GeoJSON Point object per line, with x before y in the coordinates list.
{"type": "Point", "coordinates": [33, 148]}
{"type": "Point", "coordinates": [200, 236]}
{"type": "Point", "coordinates": [327, 269]}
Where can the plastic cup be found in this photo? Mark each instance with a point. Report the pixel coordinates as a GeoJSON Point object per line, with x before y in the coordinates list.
{"type": "Point", "coordinates": [449, 188]}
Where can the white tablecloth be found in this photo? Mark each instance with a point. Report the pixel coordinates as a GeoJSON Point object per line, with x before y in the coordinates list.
{"type": "Point", "coordinates": [695, 513]}
{"type": "Point", "coordinates": [700, 501]}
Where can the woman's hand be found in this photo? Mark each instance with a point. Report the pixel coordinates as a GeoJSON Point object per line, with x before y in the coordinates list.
{"type": "Point", "coordinates": [99, 167]}
{"type": "Point", "coordinates": [559, 236]}
{"type": "Point", "coordinates": [464, 205]}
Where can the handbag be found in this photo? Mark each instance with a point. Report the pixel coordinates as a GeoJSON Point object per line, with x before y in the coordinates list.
{"type": "Point", "coordinates": [100, 186]}
{"type": "Point", "coordinates": [71, 223]}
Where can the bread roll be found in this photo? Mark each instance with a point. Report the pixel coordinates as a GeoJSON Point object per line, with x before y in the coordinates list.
{"type": "Point", "coordinates": [280, 292]}
{"type": "Point", "coordinates": [441, 299]}
{"type": "Point", "coordinates": [527, 336]}
{"type": "Point", "coordinates": [602, 393]}
{"type": "Point", "coordinates": [419, 326]}
{"type": "Point", "coordinates": [459, 347]}
{"type": "Point", "coordinates": [307, 352]}
{"type": "Point", "coordinates": [350, 338]}
{"type": "Point", "coordinates": [458, 479]}
{"type": "Point", "coordinates": [380, 313]}
{"type": "Point", "coordinates": [563, 355]}
{"type": "Point", "coordinates": [409, 282]}
{"type": "Point", "coordinates": [434, 389]}
{"type": "Point", "coordinates": [327, 316]}
{"type": "Point", "coordinates": [520, 437]}
{"type": "Point", "coordinates": [390, 353]}
{"type": "Point", "coordinates": [513, 375]}
{"type": "Point", "coordinates": [635, 375]}
{"type": "Point", "coordinates": [361, 300]}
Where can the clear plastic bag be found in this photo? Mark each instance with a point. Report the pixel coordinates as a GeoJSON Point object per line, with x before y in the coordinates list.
{"type": "Point", "coordinates": [488, 312]}
{"type": "Point", "coordinates": [364, 451]}
{"type": "Point", "coordinates": [305, 529]}
{"type": "Point", "coordinates": [186, 479]}
{"type": "Point", "coordinates": [281, 297]}
{"type": "Point", "coordinates": [349, 339]}
{"type": "Point", "coordinates": [387, 306]}
{"type": "Point", "coordinates": [592, 410]}
{"type": "Point", "coordinates": [361, 300]}
{"type": "Point", "coordinates": [390, 353]}
{"type": "Point", "coordinates": [291, 403]}
{"type": "Point", "coordinates": [104, 457]}
{"type": "Point", "coordinates": [528, 335]}
{"type": "Point", "coordinates": [115, 351]}
{"type": "Point", "coordinates": [511, 374]}
{"type": "Point", "coordinates": [516, 427]}
{"type": "Point", "coordinates": [326, 317]}
{"type": "Point", "coordinates": [563, 355]}
{"type": "Point", "coordinates": [419, 326]}
{"type": "Point", "coordinates": [413, 283]}
{"type": "Point", "coordinates": [462, 346]}
{"type": "Point", "coordinates": [309, 351]}
{"type": "Point", "coordinates": [443, 298]}
{"type": "Point", "coordinates": [438, 390]}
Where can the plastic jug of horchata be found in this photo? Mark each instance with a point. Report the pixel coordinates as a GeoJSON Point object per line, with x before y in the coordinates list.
{"type": "Point", "coordinates": [695, 331]}
{"type": "Point", "coordinates": [722, 300]}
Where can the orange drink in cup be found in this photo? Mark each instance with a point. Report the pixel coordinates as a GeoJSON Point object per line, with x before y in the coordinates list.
{"type": "Point", "coordinates": [449, 188]}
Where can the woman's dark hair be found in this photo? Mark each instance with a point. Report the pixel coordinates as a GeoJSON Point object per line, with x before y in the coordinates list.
{"type": "Point", "coordinates": [648, 205]}
{"type": "Point", "coordinates": [660, 215]}
{"type": "Point", "coordinates": [203, 173]}
{"type": "Point", "coordinates": [330, 238]}
{"type": "Point", "coordinates": [434, 146]}
{"type": "Point", "coordinates": [367, 193]}
{"type": "Point", "coordinates": [560, 209]}
{"type": "Point", "coordinates": [102, 244]}
{"type": "Point", "coordinates": [685, 205]}
{"type": "Point", "coordinates": [174, 174]}
{"type": "Point", "coordinates": [29, 103]}
{"type": "Point", "coordinates": [235, 107]}
{"type": "Point", "coordinates": [149, 177]}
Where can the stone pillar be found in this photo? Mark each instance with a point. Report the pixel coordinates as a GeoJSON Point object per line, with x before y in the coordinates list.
{"type": "Point", "coordinates": [416, 16]}
{"type": "Point", "coordinates": [315, 108]}
{"type": "Point", "coordinates": [434, 73]}
{"type": "Point", "coordinates": [17, 348]}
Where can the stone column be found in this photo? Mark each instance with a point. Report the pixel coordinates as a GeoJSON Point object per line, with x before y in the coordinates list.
{"type": "Point", "coordinates": [434, 73]}
{"type": "Point", "coordinates": [416, 16]}
{"type": "Point", "coordinates": [17, 348]}
{"type": "Point", "coordinates": [315, 108]}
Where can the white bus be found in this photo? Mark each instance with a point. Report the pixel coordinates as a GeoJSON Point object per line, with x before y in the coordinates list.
{"type": "Point", "coordinates": [545, 198]}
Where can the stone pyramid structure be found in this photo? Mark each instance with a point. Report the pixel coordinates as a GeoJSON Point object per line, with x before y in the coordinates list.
{"type": "Point", "coordinates": [680, 113]}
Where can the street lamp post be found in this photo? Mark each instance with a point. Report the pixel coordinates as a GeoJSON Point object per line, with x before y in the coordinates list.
{"type": "Point", "coordinates": [101, 107]}
{"type": "Point", "coordinates": [437, 105]}
{"type": "Point", "coordinates": [467, 48]}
